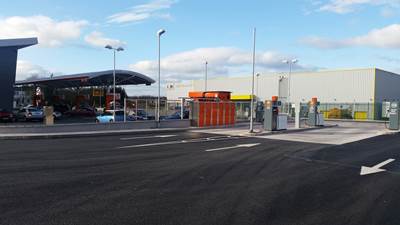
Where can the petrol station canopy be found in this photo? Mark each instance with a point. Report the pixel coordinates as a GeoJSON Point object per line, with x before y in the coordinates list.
{"type": "Point", "coordinates": [102, 78]}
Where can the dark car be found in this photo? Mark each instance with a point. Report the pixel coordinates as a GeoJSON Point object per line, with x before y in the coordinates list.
{"type": "Point", "coordinates": [62, 108]}
{"type": "Point", "coordinates": [82, 112]}
{"type": "Point", "coordinates": [6, 116]}
{"type": "Point", "coordinates": [176, 116]}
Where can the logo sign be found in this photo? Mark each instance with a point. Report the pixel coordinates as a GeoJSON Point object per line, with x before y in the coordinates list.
{"type": "Point", "coordinates": [97, 92]}
{"type": "Point", "coordinates": [38, 91]}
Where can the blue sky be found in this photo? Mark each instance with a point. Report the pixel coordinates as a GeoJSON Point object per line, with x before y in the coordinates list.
{"type": "Point", "coordinates": [321, 34]}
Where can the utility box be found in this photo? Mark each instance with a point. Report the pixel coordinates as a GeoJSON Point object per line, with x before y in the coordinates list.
{"type": "Point", "coordinates": [48, 115]}
{"type": "Point", "coordinates": [282, 122]}
{"type": "Point", "coordinates": [315, 118]}
{"type": "Point", "coordinates": [273, 121]}
{"type": "Point", "coordinates": [394, 116]}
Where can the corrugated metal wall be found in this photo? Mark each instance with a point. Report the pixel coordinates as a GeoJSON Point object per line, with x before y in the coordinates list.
{"type": "Point", "coordinates": [176, 91]}
{"type": "Point", "coordinates": [387, 86]}
{"type": "Point", "coordinates": [334, 86]}
{"type": "Point", "coordinates": [328, 86]}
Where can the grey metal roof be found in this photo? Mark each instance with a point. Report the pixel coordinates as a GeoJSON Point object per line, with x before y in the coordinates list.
{"type": "Point", "coordinates": [102, 78]}
{"type": "Point", "coordinates": [18, 42]}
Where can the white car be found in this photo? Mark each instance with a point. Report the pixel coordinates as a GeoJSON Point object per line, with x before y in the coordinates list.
{"type": "Point", "coordinates": [57, 115]}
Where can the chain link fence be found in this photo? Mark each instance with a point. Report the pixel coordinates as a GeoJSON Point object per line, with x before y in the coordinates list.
{"type": "Point", "coordinates": [147, 108]}
{"type": "Point", "coordinates": [351, 111]}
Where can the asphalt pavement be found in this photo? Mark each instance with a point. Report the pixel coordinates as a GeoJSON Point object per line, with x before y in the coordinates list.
{"type": "Point", "coordinates": [198, 178]}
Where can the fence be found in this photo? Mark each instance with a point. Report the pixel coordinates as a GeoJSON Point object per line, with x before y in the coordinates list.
{"type": "Point", "coordinates": [352, 111]}
{"type": "Point", "coordinates": [148, 107]}
{"type": "Point", "coordinates": [355, 111]}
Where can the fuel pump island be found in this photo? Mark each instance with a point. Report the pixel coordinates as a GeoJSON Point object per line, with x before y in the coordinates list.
{"type": "Point", "coordinates": [394, 116]}
{"type": "Point", "coordinates": [315, 117]}
{"type": "Point", "coordinates": [275, 121]}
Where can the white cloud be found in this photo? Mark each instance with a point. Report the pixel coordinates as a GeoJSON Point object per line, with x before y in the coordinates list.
{"type": "Point", "coordinates": [153, 9]}
{"type": "Point", "coordinates": [27, 70]}
{"type": "Point", "coordinates": [386, 37]}
{"type": "Point", "coordinates": [97, 39]}
{"type": "Point", "coordinates": [51, 33]}
{"type": "Point", "coordinates": [348, 6]}
{"type": "Point", "coordinates": [190, 65]}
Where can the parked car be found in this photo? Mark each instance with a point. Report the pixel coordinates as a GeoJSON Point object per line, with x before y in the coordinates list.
{"type": "Point", "coordinates": [141, 115]}
{"type": "Point", "coordinates": [110, 116]}
{"type": "Point", "coordinates": [6, 116]}
{"type": "Point", "coordinates": [85, 112]}
{"type": "Point", "coordinates": [57, 115]}
{"type": "Point", "coordinates": [62, 108]}
{"type": "Point", "coordinates": [30, 114]}
{"type": "Point", "coordinates": [176, 116]}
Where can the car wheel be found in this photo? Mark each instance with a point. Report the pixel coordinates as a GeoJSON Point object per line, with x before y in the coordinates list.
{"type": "Point", "coordinates": [111, 121]}
{"type": "Point", "coordinates": [97, 121]}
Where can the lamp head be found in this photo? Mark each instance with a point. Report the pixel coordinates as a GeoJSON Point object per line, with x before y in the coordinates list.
{"type": "Point", "coordinates": [160, 32]}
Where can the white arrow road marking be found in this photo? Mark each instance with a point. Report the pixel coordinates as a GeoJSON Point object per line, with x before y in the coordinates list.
{"type": "Point", "coordinates": [365, 170]}
{"type": "Point", "coordinates": [232, 147]}
{"type": "Point", "coordinates": [217, 138]}
{"type": "Point", "coordinates": [147, 137]}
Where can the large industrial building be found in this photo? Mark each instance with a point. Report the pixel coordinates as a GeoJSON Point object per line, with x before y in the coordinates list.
{"type": "Point", "coordinates": [369, 86]}
{"type": "Point", "coordinates": [344, 86]}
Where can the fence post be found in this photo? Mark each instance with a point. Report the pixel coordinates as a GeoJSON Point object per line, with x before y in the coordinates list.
{"type": "Point", "coordinates": [166, 107]}
{"type": "Point", "coordinates": [297, 115]}
{"type": "Point", "coordinates": [136, 113]}
{"type": "Point", "coordinates": [182, 102]}
{"type": "Point", "coordinates": [147, 115]}
{"type": "Point", "coordinates": [124, 109]}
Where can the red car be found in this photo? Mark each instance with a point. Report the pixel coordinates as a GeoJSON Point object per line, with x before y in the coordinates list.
{"type": "Point", "coordinates": [6, 116]}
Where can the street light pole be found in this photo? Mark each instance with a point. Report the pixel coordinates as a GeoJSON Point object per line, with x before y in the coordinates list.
{"type": "Point", "coordinates": [115, 50]}
{"type": "Point", "coordinates": [205, 79]}
{"type": "Point", "coordinates": [252, 82]}
{"type": "Point", "coordinates": [290, 63]}
{"type": "Point", "coordinates": [257, 75]}
{"type": "Point", "coordinates": [159, 33]}
{"type": "Point", "coordinates": [114, 98]}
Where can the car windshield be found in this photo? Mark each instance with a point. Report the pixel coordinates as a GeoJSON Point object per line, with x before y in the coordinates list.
{"type": "Point", "coordinates": [107, 114]}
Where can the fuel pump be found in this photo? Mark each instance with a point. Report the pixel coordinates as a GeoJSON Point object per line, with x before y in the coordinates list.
{"type": "Point", "coordinates": [273, 121]}
{"type": "Point", "coordinates": [260, 112]}
{"type": "Point", "coordinates": [394, 116]}
{"type": "Point", "coordinates": [315, 118]}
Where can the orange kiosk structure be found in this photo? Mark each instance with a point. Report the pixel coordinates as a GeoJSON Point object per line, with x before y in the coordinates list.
{"type": "Point", "coordinates": [212, 108]}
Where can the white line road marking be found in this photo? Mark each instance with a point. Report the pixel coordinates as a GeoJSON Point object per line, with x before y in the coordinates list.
{"type": "Point", "coordinates": [216, 138]}
{"type": "Point", "coordinates": [233, 147]}
{"type": "Point", "coordinates": [148, 137]}
{"type": "Point", "coordinates": [365, 170]}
